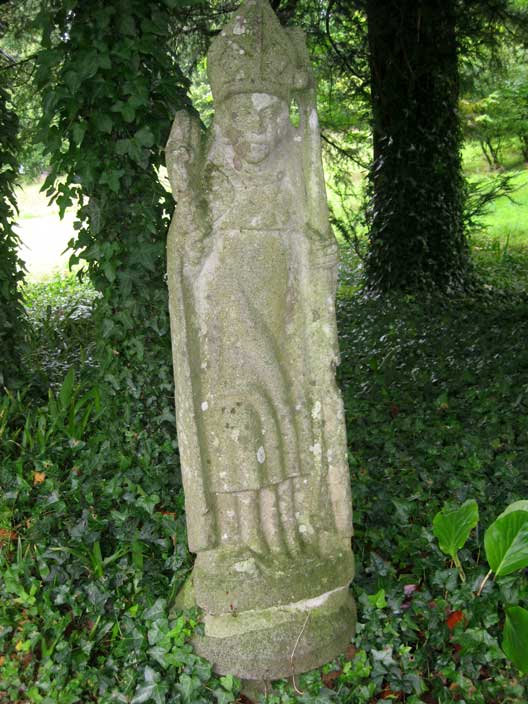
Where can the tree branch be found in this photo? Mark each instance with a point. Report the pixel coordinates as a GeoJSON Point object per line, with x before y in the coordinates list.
{"type": "Point", "coordinates": [344, 152]}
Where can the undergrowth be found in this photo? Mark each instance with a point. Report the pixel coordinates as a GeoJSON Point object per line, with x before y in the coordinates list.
{"type": "Point", "coordinates": [92, 531]}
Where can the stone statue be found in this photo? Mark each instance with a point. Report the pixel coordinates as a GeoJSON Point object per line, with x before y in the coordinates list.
{"type": "Point", "coordinates": [252, 273]}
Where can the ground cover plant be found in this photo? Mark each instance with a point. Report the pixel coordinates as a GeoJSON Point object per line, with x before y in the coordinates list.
{"type": "Point", "coordinates": [92, 531]}
{"type": "Point", "coordinates": [92, 524]}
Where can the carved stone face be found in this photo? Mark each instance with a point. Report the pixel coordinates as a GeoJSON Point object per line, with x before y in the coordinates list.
{"type": "Point", "coordinates": [254, 123]}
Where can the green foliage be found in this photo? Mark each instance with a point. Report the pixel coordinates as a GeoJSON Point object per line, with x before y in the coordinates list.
{"type": "Point", "coordinates": [96, 535]}
{"type": "Point", "coordinates": [494, 107]}
{"type": "Point", "coordinates": [63, 328]}
{"type": "Point", "coordinates": [11, 268]}
{"type": "Point", "coordinates": [93, 530]}
{"type": "Point", "coordinates": [506, 542]}
{"type": "Point", "coordinates": [110, 87]}
{"type": "Point", "coordinates": [452, 527]}
{"type": "Point", "coordinates": [19, 43]}
{"type": "Point", "coordinates": [506, 545]}
{"type": "Point", "coordinates": [515, 641]}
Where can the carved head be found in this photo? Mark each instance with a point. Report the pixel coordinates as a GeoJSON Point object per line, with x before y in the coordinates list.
{"type": "Point", "coordinates": [254, 124]}
{"type": "Point", "coordinates": [254, 53]}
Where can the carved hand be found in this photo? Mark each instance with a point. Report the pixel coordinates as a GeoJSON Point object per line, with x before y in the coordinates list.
{"type": "Point", "coordinates": [324, 250]}
{"type": "Point", "coordinates": [181, 152]}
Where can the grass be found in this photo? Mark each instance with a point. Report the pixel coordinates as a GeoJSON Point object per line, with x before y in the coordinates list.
{"type": "Point", "coordinates": [44, 236]}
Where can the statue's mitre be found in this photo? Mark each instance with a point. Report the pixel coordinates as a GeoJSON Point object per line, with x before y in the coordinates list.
{"type": "Point", "coordinates": [254, 53]}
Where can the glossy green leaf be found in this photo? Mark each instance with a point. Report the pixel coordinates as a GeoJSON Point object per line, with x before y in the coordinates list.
{"type": "Point", "coordinates": [521, 505]}
{"type": "Point", "coordinates": [506, 543]}
{"type": "Point", "coordinates": [453, 526]}
{"type": "Point", "coordinates": [515, 637]}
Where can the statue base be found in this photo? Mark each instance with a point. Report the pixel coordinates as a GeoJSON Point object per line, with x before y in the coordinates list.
{"type": "Point", "coordinates": [275, 642]}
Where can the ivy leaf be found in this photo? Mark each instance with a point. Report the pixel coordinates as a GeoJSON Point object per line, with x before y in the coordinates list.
{"type": "Point", "coordinates": [378, 599]}
{"type": "Point", "coordinates": [145, 137]}
{"type": "Point", "coordinates": [112, 178]}
{"type": "Point", "coordinates": [515, 641]}
{"type": "Point", "coordinates": [223, 697]}
{"type": "Point", "coordinates": [128, 112]}
{"type": "Point", "coordinates": [73, 80]}
{"type": "Point", "coordinates": [103, 122]}
{"type": "Point", "coordinates": [151, 690]}
{"type": "Point", "coordinates": [109, 271]}
{"type": "Point", "coordinates": [506, 543]}
{"type": "Point", "coordinates": [127, 25]}
{"type": "Point", "coordinates": [79, 130]}
{"type": "Point", "coordinates": [453, 526]}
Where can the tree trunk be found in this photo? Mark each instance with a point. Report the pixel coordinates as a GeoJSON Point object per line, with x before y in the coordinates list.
{"type": "Point", "coordinates": [417, 237]}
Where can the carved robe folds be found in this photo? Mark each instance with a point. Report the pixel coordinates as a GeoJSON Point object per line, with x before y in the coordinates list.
{"type": "Point", "coordinates": [252, 269]}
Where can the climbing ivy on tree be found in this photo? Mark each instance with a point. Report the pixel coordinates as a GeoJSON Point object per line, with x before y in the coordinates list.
{"type": "Point", "coordinates": [110, 87]}
{"type": "Point", "coordinates": [417, 236]}
{"type": "Point", "coordinates": [12, 324]}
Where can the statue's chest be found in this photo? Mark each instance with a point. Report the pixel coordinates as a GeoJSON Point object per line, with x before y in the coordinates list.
{"type": "Point", "coordinates": [252, 204]}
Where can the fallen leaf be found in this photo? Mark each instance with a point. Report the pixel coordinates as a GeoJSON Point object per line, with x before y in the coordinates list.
{"type": "Point", "coordinates": [350, 653]}
{"type": "Point", "coordinates": [390, 694]}
{"type": "Point", "coordinates": [6, 534]}
{"type": "Point", "coordinates": [454, 618]}
{"type": "Point", "coordinates": [330, 677]}
{"type": "Point", "coordinates": [39, 477]}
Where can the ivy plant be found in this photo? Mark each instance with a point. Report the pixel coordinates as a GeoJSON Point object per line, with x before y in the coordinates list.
{"type": "Point", "coordinates": [11, 266]}
{"type": "Point", "coordinates": [110, 86]}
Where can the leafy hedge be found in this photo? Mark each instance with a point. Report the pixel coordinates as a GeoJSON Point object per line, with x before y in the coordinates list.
{"type": "Point", "coordinates": [110, 86]}
{"type": "Point", "coordinates": [12, 326]}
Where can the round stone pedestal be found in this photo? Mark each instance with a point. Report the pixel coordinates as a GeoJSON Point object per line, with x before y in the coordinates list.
{"type": "Point", "coordinates": [279, 641]}
{"type": "Point", "coordinates": [287, 634]}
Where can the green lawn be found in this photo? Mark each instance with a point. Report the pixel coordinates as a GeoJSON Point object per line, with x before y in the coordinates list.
{"type": "Point", "coordinates": [43, 234]}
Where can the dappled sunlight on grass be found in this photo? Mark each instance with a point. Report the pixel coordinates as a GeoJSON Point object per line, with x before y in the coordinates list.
{"type": "Point", "coordinates": [43, 234]}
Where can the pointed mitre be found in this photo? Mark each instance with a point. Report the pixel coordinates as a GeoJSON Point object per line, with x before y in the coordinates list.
{"type": "Point", "coordinates": [254, 53]}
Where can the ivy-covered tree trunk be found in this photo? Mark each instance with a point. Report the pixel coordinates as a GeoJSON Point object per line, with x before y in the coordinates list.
{"type": "Point", "coordinates": [12, 323]}
{"type": "Point", "coordinates": [111, 87]}
{"type": "Point", "coordinates": [417, 237]}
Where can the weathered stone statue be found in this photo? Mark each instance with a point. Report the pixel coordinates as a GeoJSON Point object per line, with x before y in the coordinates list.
{"type": "Point", "coordinates": [252, 273]}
